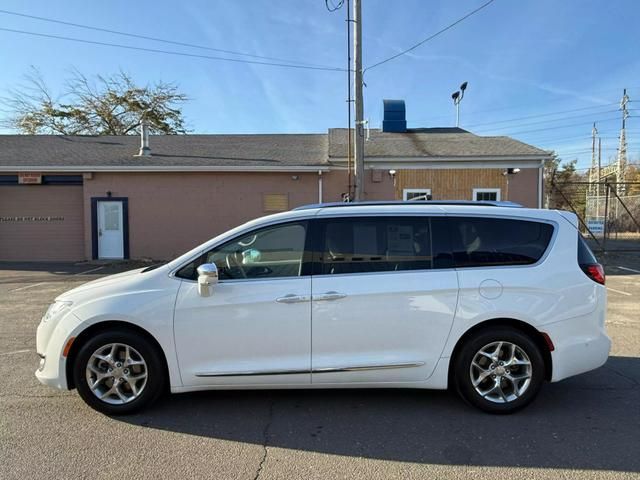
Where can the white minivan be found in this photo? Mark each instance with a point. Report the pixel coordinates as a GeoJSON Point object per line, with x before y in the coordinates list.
{"type": "Point", "coordinates": [488, 299]}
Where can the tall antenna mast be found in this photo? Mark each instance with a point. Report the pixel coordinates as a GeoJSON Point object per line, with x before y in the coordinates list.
{"type": "Point", "coordinates": [594, 173]}
{"type": "Point", "coordinates": [622, 148]}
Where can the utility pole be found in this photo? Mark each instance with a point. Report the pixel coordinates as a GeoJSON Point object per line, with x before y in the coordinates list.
{"type": "Point", "coordinates": [358, 149]}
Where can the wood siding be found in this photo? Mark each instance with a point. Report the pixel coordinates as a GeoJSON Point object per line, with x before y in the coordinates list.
{"type": "Point", "coordinates": [452, 184]}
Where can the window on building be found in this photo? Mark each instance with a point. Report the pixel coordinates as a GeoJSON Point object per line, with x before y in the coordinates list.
{"type": "Point", "coordinates": [364, 245]}
{"type": "Point", "coordinates": [486, 194]}
{"type": "Point", "coordinates": [270, 252]}
{"type": "Point", "coordinates": [482, 242]}
{"type": "Point", "coordinates": [416, 194]}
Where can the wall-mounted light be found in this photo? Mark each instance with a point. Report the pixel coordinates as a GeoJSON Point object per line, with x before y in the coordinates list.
{"type": "Point", "coordinates": [511, 171]}
{"type": "Point", "coordinates": [392, 174]}
{"type": "Point", "coordinates": [109, 193]}
{"type": "Point", "coordinates": [294, 177]}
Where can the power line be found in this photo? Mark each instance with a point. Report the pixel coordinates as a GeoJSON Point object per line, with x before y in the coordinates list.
{"type": "Point", "coordinates": [560, 126]}
{"type": "Point", "coordinates": [559, 112]}
{"type": "Point", "coordinates": [548, 121]}
{"type": "Point", "coordinates": [431, 37]}
{"type": "Point", "coordinates": [155, 39]}
{"type": "Point", "coordinates": [170, 52]}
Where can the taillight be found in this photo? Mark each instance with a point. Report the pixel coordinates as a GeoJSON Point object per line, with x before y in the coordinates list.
{"type": "Point", "coordinates": [595, 272]}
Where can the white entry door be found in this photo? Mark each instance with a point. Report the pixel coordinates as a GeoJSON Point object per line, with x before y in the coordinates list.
{"type": "Point", "coordinates": [110, 229]}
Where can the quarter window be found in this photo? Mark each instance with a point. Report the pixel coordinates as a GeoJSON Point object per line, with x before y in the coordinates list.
{"type": "Point", "coordinates": [271, 252]}
{"type": "Point", "coordinates": [482, 242]}
{"type": "Point", "coordinates": [364, 245]}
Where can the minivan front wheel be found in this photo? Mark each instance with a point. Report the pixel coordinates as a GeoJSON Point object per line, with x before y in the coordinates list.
{"type": "Point", "coordinates": [499, 370]}
{"type": "Point", "coordinates": [118, 372]}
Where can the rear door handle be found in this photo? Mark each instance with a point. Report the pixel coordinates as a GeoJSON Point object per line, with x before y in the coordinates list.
{"type": "Point", "coordinates": [330, 296]}
{"type": "Point", "coordinates": [291, 298]}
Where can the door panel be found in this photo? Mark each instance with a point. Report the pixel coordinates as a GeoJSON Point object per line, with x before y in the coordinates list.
{"type": "Point", "coordinates": [110, 229]}
{"type": "Point", "coordinates": [380, 311]}
{"type": "Point", "coordinates": [242, 328]}
{"type": "Point", "coordinates": [255, 328]}
{"type": "Point", "coordinates": [396, 320]}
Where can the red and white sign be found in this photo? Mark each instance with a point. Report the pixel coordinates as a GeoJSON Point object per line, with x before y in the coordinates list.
{"type": "Point", "coordinates": [30, 178]}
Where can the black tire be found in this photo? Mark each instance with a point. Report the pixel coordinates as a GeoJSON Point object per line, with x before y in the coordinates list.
{"type": "Point", "coordinates": [155, 369]}
{"type": "Point", "coordinates": [462, 370]}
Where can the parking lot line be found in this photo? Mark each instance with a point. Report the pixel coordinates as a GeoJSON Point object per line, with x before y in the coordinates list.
{"type": "Point", "coordinates": [43, 283]}
{"type": "Point", "coordinates": [89, 271]}
{"type": "Point", "coordinates": [619, 291]}
{"type": "Point", "coordinates": [28, 286]}
{"type": "Point", "coordinates": [629, 269]}
{"type": "Point", "coordinates": [14, 353]}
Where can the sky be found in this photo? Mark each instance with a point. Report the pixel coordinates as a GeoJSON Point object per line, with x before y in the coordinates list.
{"type": "Point", "coordinates": [541, 71]}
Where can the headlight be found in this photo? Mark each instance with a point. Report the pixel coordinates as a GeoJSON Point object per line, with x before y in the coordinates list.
{"type": "Point", "coordinates": [55, 309]}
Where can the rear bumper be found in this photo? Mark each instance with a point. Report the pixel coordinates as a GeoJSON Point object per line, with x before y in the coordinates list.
{"type": "Point", "coordinates": [581, 344]}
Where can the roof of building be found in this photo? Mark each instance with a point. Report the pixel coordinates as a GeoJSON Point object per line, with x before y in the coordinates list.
{"type": "Point", "coordinates": [275, 150]}
{"type": "Point", "coordinates": [432, 143]}
{"type": "Point", "coordinates": [247, 152]}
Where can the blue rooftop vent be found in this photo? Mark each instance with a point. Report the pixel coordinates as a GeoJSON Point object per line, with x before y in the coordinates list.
{"type": "Point", "coordinates": [395, 118]}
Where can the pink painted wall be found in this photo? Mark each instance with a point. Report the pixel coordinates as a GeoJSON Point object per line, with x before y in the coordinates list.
{"type": "Point", "coordinates": [523, 187]}
{"type": "Point", "coordinates": [170, 213]}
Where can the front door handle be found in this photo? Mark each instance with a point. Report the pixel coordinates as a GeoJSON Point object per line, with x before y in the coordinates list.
{"type": "Point", "coordinates": [291, 298]}
{"type": "Point", "coordinates": [330, 296]}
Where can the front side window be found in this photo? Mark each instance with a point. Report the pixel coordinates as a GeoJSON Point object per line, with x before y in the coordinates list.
{"type": "Point", "coordinates": [270, 252]}
{"type": "Point", "coordinates": [482, 242]}
{"type": "Point", "coordinates": [366, 245]}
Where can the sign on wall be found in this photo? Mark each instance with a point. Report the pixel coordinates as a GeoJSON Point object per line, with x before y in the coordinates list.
{"type": "Point", "coordinates": [40, 218]}
{"type": "Point", "coordinates": [30, 178]}
{"type": "Point", "coordinates": [596, 225]}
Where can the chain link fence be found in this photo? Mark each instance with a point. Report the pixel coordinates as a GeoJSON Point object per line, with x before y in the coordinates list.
{"type": "Point", "coordinates": [609, 213]}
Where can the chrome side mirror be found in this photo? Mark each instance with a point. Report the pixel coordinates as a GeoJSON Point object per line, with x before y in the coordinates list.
{"type": "Point", "coordinates": [207, 278]}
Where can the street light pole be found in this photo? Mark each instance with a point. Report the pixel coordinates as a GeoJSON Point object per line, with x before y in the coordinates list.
{"type": "Point", "coordinates": [457, 97]}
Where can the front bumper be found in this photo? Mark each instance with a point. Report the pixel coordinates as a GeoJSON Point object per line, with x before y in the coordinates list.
{"type": "Point", "coordinates": [50, 343]}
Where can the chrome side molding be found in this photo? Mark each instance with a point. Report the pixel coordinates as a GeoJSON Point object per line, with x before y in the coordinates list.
{"type": "Point", "coordinates": [355, 368]}
{"type": "Point", "coordinates": [359, 368]}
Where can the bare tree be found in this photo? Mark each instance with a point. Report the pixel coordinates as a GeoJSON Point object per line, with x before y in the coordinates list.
{"type": "Point", "coordinates": [112, 105]}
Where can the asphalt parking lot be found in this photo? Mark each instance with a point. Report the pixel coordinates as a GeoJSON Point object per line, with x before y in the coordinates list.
{"type": "Point", "coordinates": [584, 427]}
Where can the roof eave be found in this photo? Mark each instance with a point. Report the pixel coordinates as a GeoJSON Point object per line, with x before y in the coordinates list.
{"type": "Point", "coordinates": [172, 168]}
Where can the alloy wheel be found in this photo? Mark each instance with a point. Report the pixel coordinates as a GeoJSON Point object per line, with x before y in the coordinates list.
{"type": "Point", "coordinates": [500, 372]}
{"type": "Point", "coordinates": [116, 373]}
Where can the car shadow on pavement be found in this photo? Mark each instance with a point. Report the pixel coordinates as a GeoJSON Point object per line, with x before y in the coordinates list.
{"type": "Point", "coordinates": [587, 422]}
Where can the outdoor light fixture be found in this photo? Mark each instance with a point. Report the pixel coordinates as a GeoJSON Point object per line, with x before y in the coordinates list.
{"type": "Point", "coordinates": [457, 97]}
{"type": "Point", "coordinates": [392, 174]}
{"type": "Point", "coordinates": [511, 171]}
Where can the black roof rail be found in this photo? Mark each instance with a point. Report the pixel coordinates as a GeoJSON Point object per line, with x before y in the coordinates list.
{"type": "Point", "coordinates": [470, 203]}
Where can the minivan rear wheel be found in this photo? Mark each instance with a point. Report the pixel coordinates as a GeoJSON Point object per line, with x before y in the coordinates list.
{"type": "Point", "coordinates": [499, 370]}
{"type": "Point", "coordinates": [119, 372]}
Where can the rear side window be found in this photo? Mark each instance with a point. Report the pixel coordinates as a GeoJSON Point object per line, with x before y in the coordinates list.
{"type": "Point", "coordinates": [585, 255]}
{"type": "Point", "coordinates": [483, 242]}
{"type": "Point", "coordinates": [382, 244]}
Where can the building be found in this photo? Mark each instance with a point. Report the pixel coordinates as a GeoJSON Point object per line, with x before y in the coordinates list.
{"type": "Point", "coordinates": [80, 198]}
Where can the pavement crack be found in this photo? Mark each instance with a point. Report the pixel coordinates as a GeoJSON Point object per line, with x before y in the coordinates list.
{"type": "Point", "coordinates": [265, 440]}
